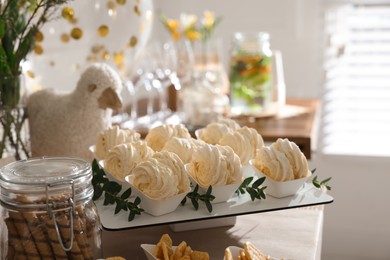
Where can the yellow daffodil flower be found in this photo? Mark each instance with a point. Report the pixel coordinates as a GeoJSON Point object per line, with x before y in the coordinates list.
{"type": "Point", "coordinates": [186, 26]}
{"type": "Point", "coordinates": [188, 21]}
{"type": "Point", "coordinates": [208, 19]}
{"type": "Point", "coordinates": [192, 35]}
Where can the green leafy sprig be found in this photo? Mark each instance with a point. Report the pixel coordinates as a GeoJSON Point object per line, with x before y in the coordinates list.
{"type": "Point", "coordinates": [195, 197]}
{"type": "Point", "coordinates": [112, 194]}
{"type": "Point", "coordinates": [320, 184]}
{"type": "Point", "coordinates": [255, 190]}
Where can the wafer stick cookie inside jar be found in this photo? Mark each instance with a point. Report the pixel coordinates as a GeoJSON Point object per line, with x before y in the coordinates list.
{"type": "Point", "coordinates": [48, 210]}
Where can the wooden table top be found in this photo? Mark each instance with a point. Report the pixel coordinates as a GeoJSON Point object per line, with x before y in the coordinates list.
{"type": "Point", "coordinates": [297, 121]}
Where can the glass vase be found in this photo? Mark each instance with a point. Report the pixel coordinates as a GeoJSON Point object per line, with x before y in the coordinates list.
{"type": "Point", "coordinates": [209, 62]}
{"type": "Point", "coordinates": [14, 135]}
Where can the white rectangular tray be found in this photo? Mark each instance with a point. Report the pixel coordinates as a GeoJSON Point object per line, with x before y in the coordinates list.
{"type": "Point", "coordinates": [238, 205]}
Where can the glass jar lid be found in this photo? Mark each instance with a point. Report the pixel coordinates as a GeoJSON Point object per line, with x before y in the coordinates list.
{"type": "Point", "coordinates": [38, 179]}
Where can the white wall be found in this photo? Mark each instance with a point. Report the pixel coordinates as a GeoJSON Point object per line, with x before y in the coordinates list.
{"type": "Point", "coordinates": [356, 225]}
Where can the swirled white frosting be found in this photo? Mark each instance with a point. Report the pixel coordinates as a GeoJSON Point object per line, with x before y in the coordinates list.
{"type": "Point", "coordinates": [213, 132]}
{"type": "Point", "coordinates": [229, 123]}
{"type": "Point", "coordinates": [274, 164]}
{"type": "Point", "coordinates": [161, 176]}
{"type": "Point", "coordinates": [296, 158]}
{"type": "Point", "coordinates": [158, 136]}
{"type": "Point", "coordinates": [208, 167]}
{"type": "Point", "coordinates": [234, 167]}
{"type": "Point", "coordinates": [244, 142]}
{"type": "Point", "coordinates": [215, 165]}
{"type": "Point", "coordinates": [183, 147]}
{"type": "Point", "coordinates": [122, 158]}
{"type": "Point", "coordinates": [112, 137]}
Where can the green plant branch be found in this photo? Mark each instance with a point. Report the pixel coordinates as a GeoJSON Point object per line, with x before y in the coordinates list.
{"type": "Point", "coordinates": [256, 191]}
{"type": "Point", "coordinates": [320, 184]}
{"type": "Point", "coordinates": [112, 193]}
{"type": "Point", "coordinates": [195, 197]}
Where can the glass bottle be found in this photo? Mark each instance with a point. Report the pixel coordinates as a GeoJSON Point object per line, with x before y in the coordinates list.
{"type": "Point", "coordinates": [47, 210]}
{"type": "Point", "coordinates": [250, 73]}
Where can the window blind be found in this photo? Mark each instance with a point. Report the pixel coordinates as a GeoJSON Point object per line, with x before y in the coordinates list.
{"type": "Point", "coordinates": [356, 101]}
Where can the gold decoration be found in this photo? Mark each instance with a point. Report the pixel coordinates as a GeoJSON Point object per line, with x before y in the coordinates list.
{"type": "Point", "coordinates": [76, 33]}
{"type": "Point", "coordinates": [38, 49]}
{"type": "Point", "coordinates": [118, 58]}
{"type": "Point", "coordinates": [91, 59]}
{"type": "Point", "coordinates": [64, 38]}
{"type": "Point", "coordinates": [136, 10]}
{"type": "Point", "coordinates": [97, 48]}
{"type": "Point", "coordinates": [68, 13]}
{"type": "Point", "coordinates": [106, 55]}
{"type": "Point", "coordinates": [111, 5]}
{"type": "Point", "coordinates": [30, 74]}
{"type": "Point", "coordinates": [39, 36]}
{"type": "Point", "coordinates": [133, 41]}
{"type": "Point", "coordinates": [103, 30]}
{"type": "Point", "coordinates": [96, 38]}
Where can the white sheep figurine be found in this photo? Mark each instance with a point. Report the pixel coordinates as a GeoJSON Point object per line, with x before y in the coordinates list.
{"type": "Point", "coordinates": [68, 124]}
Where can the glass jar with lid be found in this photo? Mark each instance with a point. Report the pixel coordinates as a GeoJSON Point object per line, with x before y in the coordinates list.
{"type": "Point", "coordinates": [250, 73]}
{"type": "Point", "coordinates": [47, 210]}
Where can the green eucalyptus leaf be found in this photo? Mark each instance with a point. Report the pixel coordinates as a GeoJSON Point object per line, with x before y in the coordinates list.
{"type": "Point", "coordinates": [95, 182]}
{"type": "Point", "coordinates": [247, 181]}
{"type": "Point", "coordinates": [196, 189]}
{"type": "Point", "coordinates": [183, 202]}
{"type": "Point", "coordinates": [97, 192]}
{"type": "Point", "coordinates": [95, 166]}
{"type": "Point", "coordinates": [313, 170]}
{"type": "Point", "coordinates": [137, 201]}
{"type": "Point", "coordinates": [112, 187]}
{"type": "Point", "coordinates": [209, 191]}
{"type": "Point", "coordinates": [258, 182]}
{"type": "Point", "coordinates": [124, 205]}
{"type": "Point", "coordinates": [126, 194]}
{"type": "Point", "coordinates": [195, 203]}
{"type": "Point", "coordinates": [262, 195]}
{"type": "Point", "coordinates": [325, 181]}
{"type": "Point", "coordinates": [209, 206]}
{"type": "Point", "coordinates": [106, 200]}
{"type": "Point", "coordinates": [131, 216]}
{"type": "Point", "coordinates": [316, 184]}
{"type": "Point", "coordinates": [118, 208]}
{"type": "Point", "coordinates": [252, 193]}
